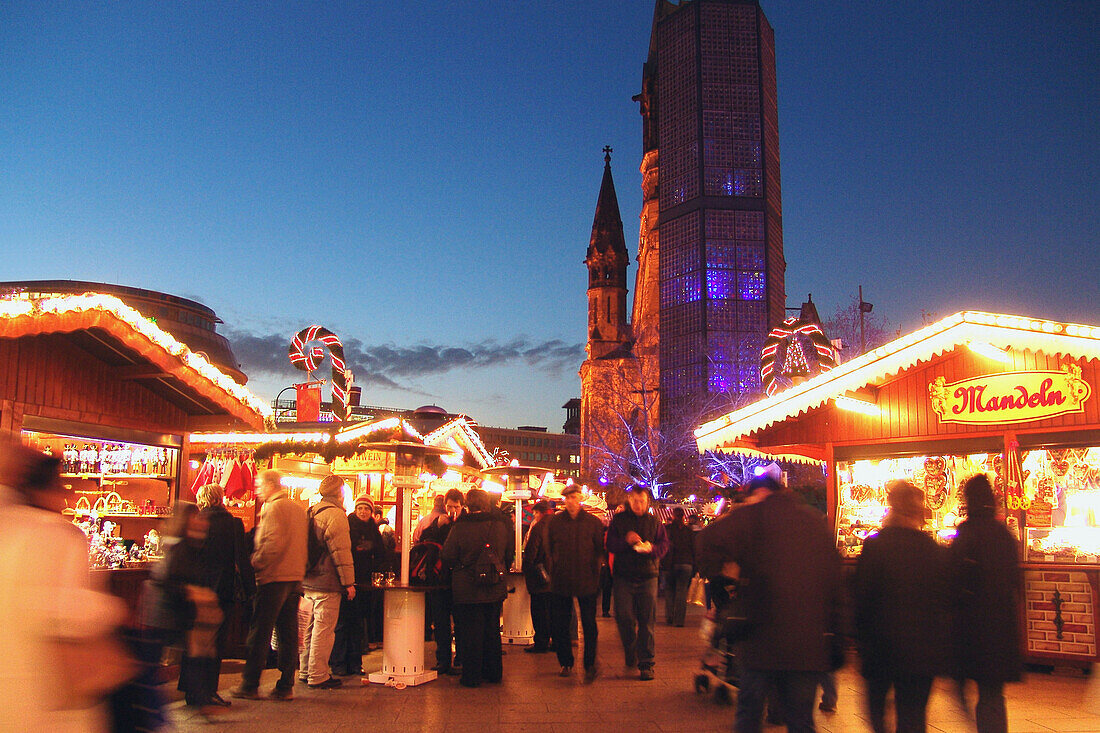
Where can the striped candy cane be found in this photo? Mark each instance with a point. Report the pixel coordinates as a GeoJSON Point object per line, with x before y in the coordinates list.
{"type": "Point", "coordinates": [307, 359]}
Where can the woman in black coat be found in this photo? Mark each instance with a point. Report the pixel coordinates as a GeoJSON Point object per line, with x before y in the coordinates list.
{"type": "Point", "coordinates": [227, 569]}
{"type": "Point", "coordinates": [987, 593]}
{"type": "Point", "coordinates": [477, 600]}
{"type": "Point", "coordinates": [900, 611]}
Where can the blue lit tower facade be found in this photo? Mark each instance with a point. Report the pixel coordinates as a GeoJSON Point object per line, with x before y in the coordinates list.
{"type": "Point", "coordinates": [709, 112]}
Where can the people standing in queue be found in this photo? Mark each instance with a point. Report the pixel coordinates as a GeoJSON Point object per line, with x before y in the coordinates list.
{"type": "Point", "coordinates": [536, 575]}
{"type": "Point", "coordinates": [986, 597]}
{"type": "Point", "coordinates": [441, 600]}
{"type": "Point", "coordinates": [681, 567]}
{"type": "Point", "coordinates": [331, 578]}
{"type": "Point", "coordinates": [792, 585]}
{"type": "Point", "coordinates": [228, 571]}
{"type": "Point", "coordinates": [366, 548]}
{"type": "Point", "coordinates": [900, 611]}
{"type": "Point", "coordinates": [279, 560]}
{"type": "Point", "coordinates": [639, 541]}
{"type": "Point", "coordinates": [479, 550]}
{"type": "Point", "coordinates": [575, 547]}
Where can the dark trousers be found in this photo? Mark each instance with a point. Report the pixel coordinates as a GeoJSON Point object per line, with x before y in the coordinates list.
{"type": "Point", "coordinates": [676, 595]}
{"type": "Point", "coordinates": [910, 700]}
{"type": "Point", "coordinates": [276, 609]}
{"type": "Point", "coordinates": [376, 604]}
{"type": "Point", "coordinates": [478, 627]}
{"type": "Point", "coordinates": [991, 714]}
{"type": "Point", "coordinates": [540, 619]}
{"type": "Point", "coordinates": [796, 692]}
{"type": "Point", "coordinates": [636, 617]}
{"type": "Point", "coordinates": [561, 614]}
{"type": "Point", "coordinates": [199, 675]}
{"type": "Point", "coordinates": [347, 644]}
{"type": "Point", "coordinates": [441, 607]}
{"type": "Point", "coordinates": [605, 590]}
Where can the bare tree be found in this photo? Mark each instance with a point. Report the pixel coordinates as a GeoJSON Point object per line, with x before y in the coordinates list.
{"type": "Point", "coordinates": [844, 325]}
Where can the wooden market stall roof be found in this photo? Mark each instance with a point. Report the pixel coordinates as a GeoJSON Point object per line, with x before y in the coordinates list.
{"type": "Point", "coordinates": [968, 328]}
{"type": "Point", "coordinates": [137, 348]}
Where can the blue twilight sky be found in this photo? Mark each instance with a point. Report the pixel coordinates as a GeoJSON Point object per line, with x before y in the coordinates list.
{"type": "Point", "coordinates": [420, 177]}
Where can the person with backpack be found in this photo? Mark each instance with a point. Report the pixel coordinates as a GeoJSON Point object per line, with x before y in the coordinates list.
{"type": "Point", "coordinates": [427, 568]}
{"type": "Point", "coordinates": [329, 571]}
{"type": "Point", "coordinates": [536, 573]}
{"type": "Point", "coordinates": [479, 549]}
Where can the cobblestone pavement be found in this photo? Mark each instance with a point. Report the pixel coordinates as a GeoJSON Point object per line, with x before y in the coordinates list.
{"type": "Point", "coordinates": [533, 698]}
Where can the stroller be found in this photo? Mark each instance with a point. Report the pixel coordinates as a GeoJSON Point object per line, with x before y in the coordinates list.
{"type": "Point", "coordinates": [721, 629]}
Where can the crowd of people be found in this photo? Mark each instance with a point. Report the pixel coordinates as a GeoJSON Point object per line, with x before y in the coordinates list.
{"type": "Point", "coordinates": [918, 611]}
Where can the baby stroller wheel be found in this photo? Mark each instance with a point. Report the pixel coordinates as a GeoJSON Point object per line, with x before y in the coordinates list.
{"type": "Point", "coordinates": [702, 683]}
{"type": "Point", "coordinates": [722, 695]}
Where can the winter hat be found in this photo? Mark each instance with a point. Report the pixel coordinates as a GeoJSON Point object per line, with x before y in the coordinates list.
{"type": "Point", "coordinates": [330, 486]}
{"type": "Point", "coordinates": [364, 500]}
{"type": "Point", "coordinates": [571, 489]}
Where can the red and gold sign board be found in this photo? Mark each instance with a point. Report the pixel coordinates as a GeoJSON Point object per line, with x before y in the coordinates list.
{"type": "Point", "coordinates": [1010, 397]}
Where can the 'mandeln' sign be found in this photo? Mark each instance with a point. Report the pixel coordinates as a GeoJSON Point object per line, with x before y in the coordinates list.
{"type": "Point", "coordinates": [1010, 397]}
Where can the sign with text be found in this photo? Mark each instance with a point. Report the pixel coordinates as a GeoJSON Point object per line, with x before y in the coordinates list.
{"type": "Point", "coordinates": [1010, 397]}
{"type": "Point", "coordinates": [374, 461]}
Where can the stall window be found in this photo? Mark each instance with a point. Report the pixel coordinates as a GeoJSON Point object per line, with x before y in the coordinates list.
{"type": "Point", "coordinates": [1060, 503]}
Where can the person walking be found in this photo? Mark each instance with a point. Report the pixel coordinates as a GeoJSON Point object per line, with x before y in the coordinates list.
{"type": "Point", "coordinates": [986, 596]}
{"type": "Point", "coordinates": [536, 575]}
{"type": "Point", "coordinates": [792, 582]}
{"type": "Point", "coordinates": [639, 541]}
{"type": "Point", "coordinates": [681, 567]}
{"type": "Point", "coordinates": [479, 549]}
{"type": "Point", "coordinates": [332, 576]}
{"type": "Point", "coordinates": [279, 561]}
{"type": "Point", "coordinates": [227, 570]}
{"type": "Point", "coordinates": [575, 548]}
{"type": "Point", "coordinates": [900, 611]}
{"type": "Point", "coordinates": [366, 549]}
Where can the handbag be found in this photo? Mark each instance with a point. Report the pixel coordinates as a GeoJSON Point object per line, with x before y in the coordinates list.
{"type": "Point", "coordinates": [697, 591]}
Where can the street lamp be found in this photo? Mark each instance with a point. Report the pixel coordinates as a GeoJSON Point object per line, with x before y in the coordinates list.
{"type": "Point", "coordinates": [864, 308]}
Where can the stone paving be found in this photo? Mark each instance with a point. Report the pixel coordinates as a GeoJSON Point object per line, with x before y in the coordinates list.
{"type": "Point", "coordinates": [533, 698]}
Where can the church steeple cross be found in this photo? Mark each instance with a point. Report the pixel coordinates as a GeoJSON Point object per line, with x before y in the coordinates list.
{"type": "Point", "coordinates": [607, 153]}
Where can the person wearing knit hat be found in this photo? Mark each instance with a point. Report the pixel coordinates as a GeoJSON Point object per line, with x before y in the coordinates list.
{"type": "Point", "coordinates": [333, 572]}
{"type": "Point", "coordinates": [900, 584]}
{"type": "Point", "coordinates": [349, 643]}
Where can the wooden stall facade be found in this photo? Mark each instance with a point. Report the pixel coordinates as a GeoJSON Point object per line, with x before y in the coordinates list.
{"type": "Point", "coordinates": [901, 433]}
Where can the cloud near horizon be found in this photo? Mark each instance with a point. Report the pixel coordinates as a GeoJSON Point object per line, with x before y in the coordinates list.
{"type": "Point", "coordinates": [392, 366]}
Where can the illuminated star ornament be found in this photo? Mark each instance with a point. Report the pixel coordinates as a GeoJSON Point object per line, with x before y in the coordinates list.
{"type": "Point", "coordinates": [795, 350]}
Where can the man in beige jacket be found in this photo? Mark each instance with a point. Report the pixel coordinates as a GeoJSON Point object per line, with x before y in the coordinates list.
{"type": "Point", "coordinates": [280, 564]}
{"type": "Point", "coordinates": [333, 574]}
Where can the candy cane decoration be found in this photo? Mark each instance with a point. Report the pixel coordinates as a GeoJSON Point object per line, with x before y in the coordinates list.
{"type": "Point", "coordinates": [308, 359]}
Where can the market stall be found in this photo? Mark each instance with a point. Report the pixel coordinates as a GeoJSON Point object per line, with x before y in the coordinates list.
{"type": "Point", "coordinates": [1012, 397]}
{"type": "Point", "coordinates": [114, 397]}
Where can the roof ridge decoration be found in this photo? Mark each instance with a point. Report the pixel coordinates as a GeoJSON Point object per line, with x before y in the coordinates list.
{"type": "Point", "coordinates": [19, 306]}
{"type": "Point", "coordinates": [1028, 334]}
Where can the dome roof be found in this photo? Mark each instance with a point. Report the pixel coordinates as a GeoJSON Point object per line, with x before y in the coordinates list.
{"type": "Point", "coordinates": [430, 410]}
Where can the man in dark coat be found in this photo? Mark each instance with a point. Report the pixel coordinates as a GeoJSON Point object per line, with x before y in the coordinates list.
{"type": "Point", "coordinates": [638, 541]}
{"type": "Point", "coordinates": [477, 605]}
{"type": "Point", "coordinates": [227, 569]}
{"type": "Point", "coordinates": [987, 592]}
{"type": "Point", "coordinates": [900, 611]}
{"type": "Point", "coordinates": [440, 601]}
{"type": "Point", "coordinates": [681, 567]}
{"type": "Point", "coordinates": [574, 545]}
{"type": "Point", "coordinates": [536, 575]}
{"type": "Point", "coordinates": [792, 585]}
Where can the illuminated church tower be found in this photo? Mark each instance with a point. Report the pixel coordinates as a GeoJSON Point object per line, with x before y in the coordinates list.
{"type": "Point", "coordinates": [709, 114]}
